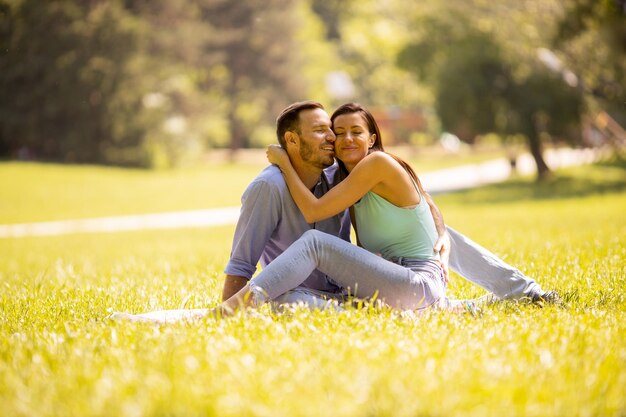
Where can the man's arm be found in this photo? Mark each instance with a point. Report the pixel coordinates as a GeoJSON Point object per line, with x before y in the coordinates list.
{"type": "Point", "coordinates": [232, 285]}
{"type": "Point", "coordinates": [258, 218]}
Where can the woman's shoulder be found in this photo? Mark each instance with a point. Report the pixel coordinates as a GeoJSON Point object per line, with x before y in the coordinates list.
{"type": "Point", "coordinates": [382, 160]}
{"type": "Point", "coordinates": [379, 157]}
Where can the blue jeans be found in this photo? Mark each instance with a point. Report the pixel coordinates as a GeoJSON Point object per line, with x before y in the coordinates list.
{"type": "Point", "coordinates": [417, 285]}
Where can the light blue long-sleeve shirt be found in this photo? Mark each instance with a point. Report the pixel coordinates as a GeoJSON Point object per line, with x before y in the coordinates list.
{"type": "Point", "coordinates": [270, 221]}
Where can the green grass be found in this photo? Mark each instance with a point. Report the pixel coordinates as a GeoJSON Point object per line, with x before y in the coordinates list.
{"type": "Point", "coordinates": [424, 159]}
{"type": "Point", "coordinates": [45, 192]}
{"type": "Point", "coordinates": [60, 357]}
{"type": "Point", "coordinates": [42, 192]}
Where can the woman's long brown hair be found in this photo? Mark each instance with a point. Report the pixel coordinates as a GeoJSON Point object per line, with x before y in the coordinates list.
{"type": "Point", "coordinates": [372, 126]}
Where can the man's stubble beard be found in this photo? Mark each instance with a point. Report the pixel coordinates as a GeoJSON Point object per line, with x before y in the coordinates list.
{"type": "Point", "coordinates": [314, 156]}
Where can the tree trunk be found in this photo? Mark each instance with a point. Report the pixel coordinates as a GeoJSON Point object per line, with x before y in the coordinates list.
{"type": "Point", "coordinates": [237, 140]}
{"type": "Point", "coordinates": [534, 144]}
{"type": "Point", "coordinates": [236, 130]}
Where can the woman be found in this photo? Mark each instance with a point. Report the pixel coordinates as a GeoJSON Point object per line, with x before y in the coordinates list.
{"type": "Point", "coordinates": [393, 223]}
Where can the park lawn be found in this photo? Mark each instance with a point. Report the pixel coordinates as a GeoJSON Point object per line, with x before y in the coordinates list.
{"type": "Point", "coordinates": [42, 192]}
{"type": "Point", "coordinates": [60, 356]}
{"type": "Point", "coordinates": [31, 192]}
{"type": "Point", "coordinates": [432, 158]}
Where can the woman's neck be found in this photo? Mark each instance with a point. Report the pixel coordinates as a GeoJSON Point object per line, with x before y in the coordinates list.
{"type": "Point", "coordinates": [350, 167]}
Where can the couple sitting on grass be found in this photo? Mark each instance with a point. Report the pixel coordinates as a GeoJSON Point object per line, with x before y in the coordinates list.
{"type": "Point", "coordinates": [295, 219]}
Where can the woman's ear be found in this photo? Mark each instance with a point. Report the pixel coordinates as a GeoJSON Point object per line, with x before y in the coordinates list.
{"type": "Point", "coordinates": [372, 140]}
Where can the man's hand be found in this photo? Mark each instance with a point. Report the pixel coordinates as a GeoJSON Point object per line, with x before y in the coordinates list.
{"type": "Point", "coordinates": [442, 247]}
{"type": "Point", "coordinates": [277, 155]}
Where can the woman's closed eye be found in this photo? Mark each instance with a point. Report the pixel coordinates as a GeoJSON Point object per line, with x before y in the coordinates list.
{"type": "Point", "coordinates": [353, 132]}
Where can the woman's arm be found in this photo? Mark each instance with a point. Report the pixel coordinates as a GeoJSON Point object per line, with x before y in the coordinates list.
{"type": "Point", "coordinates": [442, 246]}
{"type": "Point", "coordinates": [366, 175]}
{"type": "Point", "coordinates": [436, 213]}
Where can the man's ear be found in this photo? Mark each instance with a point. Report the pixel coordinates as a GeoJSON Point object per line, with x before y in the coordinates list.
{"type": "Point", "coordinates": [291, 137]}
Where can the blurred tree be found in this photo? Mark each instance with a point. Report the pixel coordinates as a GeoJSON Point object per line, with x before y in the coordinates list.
{"type": "Point", "coordinates": [180, 68]}
{"type": "Point", "coordinates": [591, 40]}
{"type": "Point", "coordinates": [242, 56]}
{"type": "Point", "coordinates": [542, 106]}
{"type": "Point", "coordinates": [478, 91]}
{"type": "Point", "coordinates": [261, 60]}
{"type": "Point", "coordinates": [368, 34]}
{"type": "Point", "coordinates": [63, 66]}
{"type": "Point", "coordinates": [141, 82]}
{"type": "Point", "coordinates": [332, 14]}
{"type": "Point", "coordinates": [471, 89]}
{"type": "Point", "coordinates": [466, 71]}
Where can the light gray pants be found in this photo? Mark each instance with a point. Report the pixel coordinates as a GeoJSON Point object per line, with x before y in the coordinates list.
{"type": "Point", "coordinates": [417, 285]}
{"type": "Point", "coordinates": [481, 267]}
{"type": "Point", "coordinates": [308, 297]}
{"type": "Point", "coordinates": [468, 259]}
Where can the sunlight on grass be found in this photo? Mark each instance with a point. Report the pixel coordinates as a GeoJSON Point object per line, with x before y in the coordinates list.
{"type": "Point", "coordinates": [42, 192]}
{"type": "Point", "coordinates": [60, 356]}
{"type": "Point", "coordinates": [431, 158]}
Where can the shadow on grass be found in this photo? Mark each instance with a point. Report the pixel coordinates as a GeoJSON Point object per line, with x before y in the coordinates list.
{"type": "Point", "coordinates": [602, 178]}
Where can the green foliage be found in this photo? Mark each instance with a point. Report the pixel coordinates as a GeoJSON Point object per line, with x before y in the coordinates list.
{"type": "Point", "coordinates": [371, 34]}
{"type": "Point", "coordinates": [542, 102]}
{"type": "Point", "coordinates": [256, 45]}
{"type": "Point", "coordinates": [471, 87]}
{"type": "Point", "coordinates": [332, 13]}
{"type": "Point", "coordinates": [60, 356]}
{"type": "Point", "coordinates": [142, 83]}
{"type": "Point", "coordinates": [591, 38]}
{"type": "Point", "coordinates": [479, 90]}
{"type": "Point", "coordinates": [153, 83]}
{"type": "Point", "coordinates": [465, 68]}
{"type": "Point", "coordinates": [62, 67]}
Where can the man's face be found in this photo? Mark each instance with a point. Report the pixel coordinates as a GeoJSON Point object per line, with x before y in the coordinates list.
{"type": "Point", "coordinates": [316, 138]}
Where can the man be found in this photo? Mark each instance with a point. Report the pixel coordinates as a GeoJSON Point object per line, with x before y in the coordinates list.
{"type": "Point", "coordinates": [270, 222]}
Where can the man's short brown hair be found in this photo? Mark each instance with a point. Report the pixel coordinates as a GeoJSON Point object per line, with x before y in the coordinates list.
{"type": "Point", "coordinates": [289, 119]}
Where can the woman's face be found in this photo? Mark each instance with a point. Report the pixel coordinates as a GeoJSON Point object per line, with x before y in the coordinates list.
{"type": "Point", "coordinates": [353, 138]}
